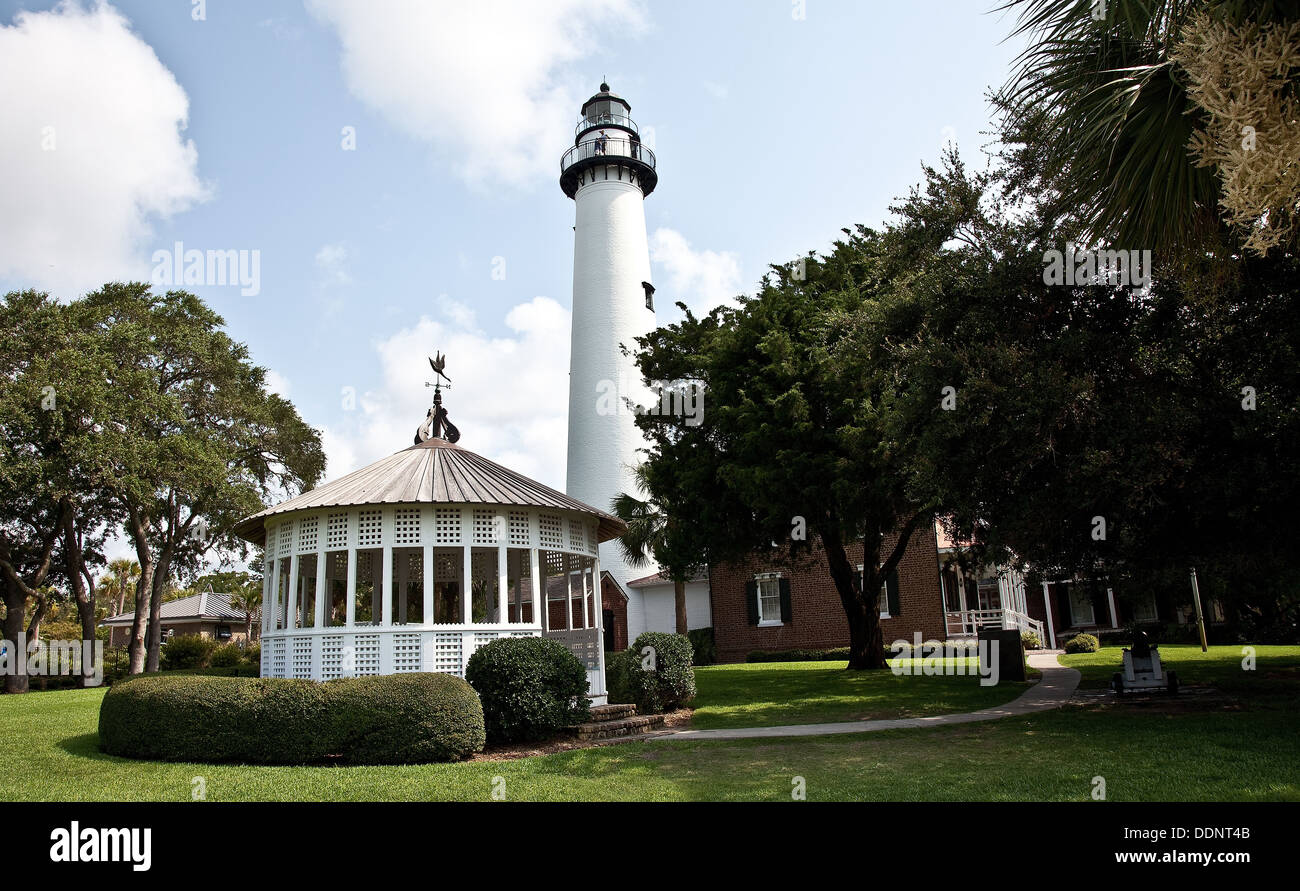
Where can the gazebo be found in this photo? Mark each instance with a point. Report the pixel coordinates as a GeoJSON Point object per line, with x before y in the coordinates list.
{"type": "Point", "coordinates": [412, 563]}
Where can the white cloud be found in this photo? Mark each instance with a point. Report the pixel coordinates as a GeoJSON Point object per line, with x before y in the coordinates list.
{"type": "Point", "coordinates": [277, 383]}
{"type": "Point", "coordinates": [90, 150]}
{"type": "Point", "coordinates": [332, 260]}
{"type": "Point", "coordinates": [700, 279]}
{"type": "Point", "coordinates": [509, 395]}
{"type": "Point", "coordinates": [488, 84]}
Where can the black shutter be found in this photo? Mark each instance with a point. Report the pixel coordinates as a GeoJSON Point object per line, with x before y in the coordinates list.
{"type": "Point", "coordinates": [891, 593]}
{"type": "Point", "coordinates": [751, 600]}
{"type": "Point", "coordinates": [785, 600]}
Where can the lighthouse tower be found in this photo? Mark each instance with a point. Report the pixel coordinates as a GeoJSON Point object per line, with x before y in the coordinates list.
{"type": "Point", "coordinates": [608, 173]}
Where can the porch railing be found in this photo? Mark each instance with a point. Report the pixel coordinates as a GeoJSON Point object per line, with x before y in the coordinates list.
{"type": "Point", "coordinates": [968, 622]}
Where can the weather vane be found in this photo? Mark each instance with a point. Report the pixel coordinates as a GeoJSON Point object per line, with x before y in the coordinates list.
{"type": "Point", "coordinates": [436, 425]}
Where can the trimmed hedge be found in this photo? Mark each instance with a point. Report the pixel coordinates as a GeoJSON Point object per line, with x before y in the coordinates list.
{"type": "Point", "coordinates": [396, 719]}
{"type": "Point", "coordinates": [531, 688]}
{"type": "Point", "coordinates": [670, 682]}
{"type": "Point", "coordinates": [837, 654]}
{"type": "Point", "coordinates": [1082, 643]}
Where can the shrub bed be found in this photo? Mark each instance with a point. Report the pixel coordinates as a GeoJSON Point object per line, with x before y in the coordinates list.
{"type": "Point", "coordinates": [531, 688]}
{"type": "Point", "coordinates": [398, 719]}
{"type": "Point", "coordinates": [663, 680]}
{"type": "Point", "coordinates": [187, 651]}
{"type": "Point", "coordinates": [704, 645]}
{"type": "Point", "coordinates": [836, 654]}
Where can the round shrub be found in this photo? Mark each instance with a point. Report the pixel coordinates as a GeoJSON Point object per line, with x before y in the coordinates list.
{"type": "Point", "coordinates": [660, 677]}
{"type": "Point", "coordinates": [531, 688]}
{"type": "Point", "coordinates": [1030, 641]}
{"type": "Point", "coordinates": [1082, 643]}
{"type": "Point", "coordinates": [187, 651]}
{"type": "Point", "coordinates": [397, 719]}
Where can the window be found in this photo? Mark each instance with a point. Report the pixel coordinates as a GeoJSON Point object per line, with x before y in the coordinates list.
{"type": "Point", "coordinates": [882, 602]}
{"type": "Point", "coordinates": [769, 599]}
{"type": "Point", "coordinates": [649, 295]}
{"type": "Point", "coordinates": [223, 632]}
{"type": "Point", "coordinates": [1144, 610]}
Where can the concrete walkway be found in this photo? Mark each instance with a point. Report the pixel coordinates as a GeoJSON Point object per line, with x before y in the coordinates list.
{"type": "Point", "coordinates": [1052, 691]}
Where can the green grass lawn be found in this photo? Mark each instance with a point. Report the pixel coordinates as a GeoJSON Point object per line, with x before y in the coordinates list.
{"type": "Point", "coordinates": [1276, 670]}
{"type": "Point", "coordinates": [1239, 750]}
{"type": "Point", "coordinates": [767, 694]}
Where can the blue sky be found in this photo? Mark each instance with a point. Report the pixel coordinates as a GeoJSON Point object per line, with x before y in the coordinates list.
{"type": "Point", "coordinates": [772, 133]}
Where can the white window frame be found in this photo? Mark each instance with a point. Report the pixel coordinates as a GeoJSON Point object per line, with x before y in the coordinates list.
{"type": "Point", "coordinates": [1150, 604]}
{"type": "Point", "coordinates": [760, 579]}
{"type": "Point", "coordinates": [882, 603]}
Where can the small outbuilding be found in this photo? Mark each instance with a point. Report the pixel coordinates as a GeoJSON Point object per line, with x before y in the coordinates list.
{"type": "Point", "coordinates": [412, 563]}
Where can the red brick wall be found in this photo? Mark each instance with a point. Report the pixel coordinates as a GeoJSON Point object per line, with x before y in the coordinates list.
{"type": "Point", "coordinates": [816, 615]}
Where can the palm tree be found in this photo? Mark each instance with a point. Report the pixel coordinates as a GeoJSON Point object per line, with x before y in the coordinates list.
{"type": "Point", "coordinates": [249, 599]}
{"type": "Point", "coordinates": [1099, 88]}
{"type": "Point", "coordinates": [119, 581]}
{"type": "Point", "coordinates": [651, 534]}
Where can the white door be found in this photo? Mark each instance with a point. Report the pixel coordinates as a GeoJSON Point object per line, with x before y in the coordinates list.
{"type": "Point", "coordinates": [1081, 606]}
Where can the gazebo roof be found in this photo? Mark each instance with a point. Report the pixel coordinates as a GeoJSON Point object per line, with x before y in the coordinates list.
{"type": "Point", "coordinates": [433, 472]}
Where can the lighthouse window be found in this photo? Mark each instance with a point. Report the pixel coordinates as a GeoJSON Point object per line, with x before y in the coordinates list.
{"type": "Point", "coordinates": [649, 295]}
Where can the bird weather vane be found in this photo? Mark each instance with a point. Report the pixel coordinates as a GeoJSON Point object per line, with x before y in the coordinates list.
{"type": "Point", "coordinates": [436, 424]}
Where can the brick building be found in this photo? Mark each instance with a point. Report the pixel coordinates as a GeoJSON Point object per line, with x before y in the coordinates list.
{"type": "Point", "coordinates": [758, 605]}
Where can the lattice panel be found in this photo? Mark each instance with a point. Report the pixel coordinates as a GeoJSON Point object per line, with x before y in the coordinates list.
{"type": "Point", "coordinates": [277, 659]}
{"type": "Point", "coordinates": [331, 657]}
{"type": "Point", "coordinates": [446, 525]}
{"type": "Point", "coordinates": [366, 654]}
{"type": "Point", "coordinates": [485, 526]}
{"type": "Point", "coordinates": [554, 563]}
{"type": "Point", "coordinates": [266, 663]}
{"type": "Point", "coordinates": [286, 538]}
{"type": "Point", "coordinates": [446, 566]}
{"type": "Point", "coordinates": [336, 532]}
{"type": "Point", "coordinates": [406, 652]}
{"type": "Point", "coordinates": [301, 657]}
{"type": "Point", "coordinates": [406, 527]}
{"type": "Point", "coordinates": [269, 547]}
{"type": "Point", "coordinates": [519, 528]}
{"type": "Point", "coordinates": [550, 531]}
{"type": "Point", "coordinates": [370, 528]}
{"type": "Point", "coordinates": [577, 536]}
{"type": "Point", "coordinates": [308, 534]}
{"type": "Point", "coordinates": [446, 652]}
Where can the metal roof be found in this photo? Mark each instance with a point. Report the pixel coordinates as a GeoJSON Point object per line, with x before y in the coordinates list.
{"type": "Point", "coordinates": [433, 472]}
{"type": "Point", "coordinates": [217, 607]}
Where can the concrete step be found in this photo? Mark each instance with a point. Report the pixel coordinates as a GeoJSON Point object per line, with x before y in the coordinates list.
{"type": "Point", "coordinates": [612, 712]}
{"type": "Point", "coordinates": [617, 727]}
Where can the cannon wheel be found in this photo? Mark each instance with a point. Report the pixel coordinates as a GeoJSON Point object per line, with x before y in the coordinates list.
{"type": "Point", "coordinates": [1173, 682]}
{"type": "Point", "coordinates": [1117, 682]}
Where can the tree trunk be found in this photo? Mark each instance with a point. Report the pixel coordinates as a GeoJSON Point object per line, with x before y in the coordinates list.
{"type": "Point", "coordinates": [143, 584]}
{"type": "Point", "coordinates": [162, 573]}
{"type": "Point", "coordinates": [15, 634]}
{"type": "Point", "coordinates": [866, 645]}
{"type": "Point", "coordinates": [679, 602]}
{"type": "Point", "coordinates": [75, 568]}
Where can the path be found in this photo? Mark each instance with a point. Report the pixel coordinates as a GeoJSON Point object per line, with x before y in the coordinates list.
{"type": "Point", "coordinates": [1052, 691]}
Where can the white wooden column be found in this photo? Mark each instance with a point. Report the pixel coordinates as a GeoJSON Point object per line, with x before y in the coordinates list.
{"type": "Point", "coordinates": [503, 571]}
{"type": "Point", "coordinates": [291, 596]}
{"type": "Point", "coordinates": [568, 592]}
{"type": "Point", "coordinates": [319, 618]}
{"type": "Point", "coordinates": [600, 622]}
{"type": "Point", "coordinates": [519, 587]}
{"type": "Point", "coordinates": [1110, 599]}
{"type": "Point", "coordinates": [271, 601]}
{"type": "Point", "coordinates": [536, 577]}
{"type": "Point", "coordinates": [386, 533]}
{"type": "Point", "coordinates": [586, 614]}
{"type": "Point", "coordinates": [1051, 627]}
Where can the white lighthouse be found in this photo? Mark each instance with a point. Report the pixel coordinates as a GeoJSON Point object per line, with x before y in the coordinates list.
{"type": "Point", "coordinates": [608, 173]}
